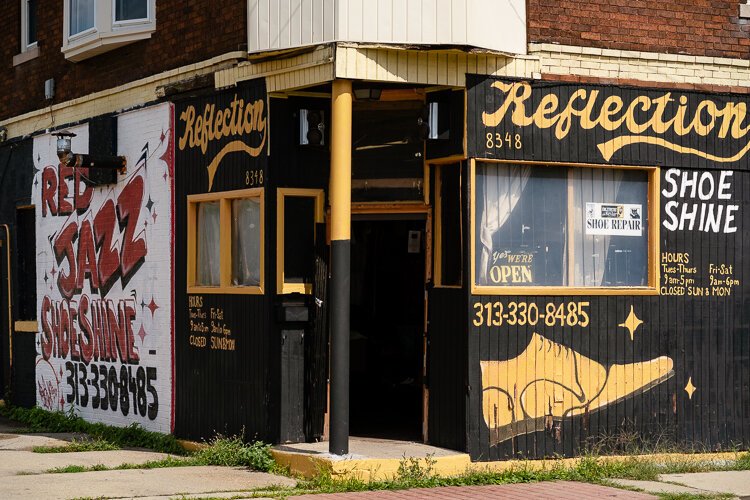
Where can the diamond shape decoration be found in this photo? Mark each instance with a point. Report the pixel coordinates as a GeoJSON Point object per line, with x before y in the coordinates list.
{"type": "Point", "coordinates": [631, 323]}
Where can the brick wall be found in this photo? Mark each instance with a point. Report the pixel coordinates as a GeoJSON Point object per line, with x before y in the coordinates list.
{"type": "Point", "coordinates": [186, 32]}
{"type": "Point", "coordinates": [696, 27]}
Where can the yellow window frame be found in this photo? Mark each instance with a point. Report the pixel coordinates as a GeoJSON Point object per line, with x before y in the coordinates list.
{"type": "Point", "coordinates": [282, 287]}
{"type": "Point", "coordinates": [225, 236]}
{"type": "Point", "coordinates": [654, 178]}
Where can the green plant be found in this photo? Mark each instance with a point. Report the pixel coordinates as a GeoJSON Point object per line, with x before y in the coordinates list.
{"type": "Point", "coordinates": [78, 445]}
{"type": "Point", "coordinates": [410, 470]}
{"type": "Point", "coordinates": [134, 436]}
{"type": "Point", "coordinates": [233, 451]}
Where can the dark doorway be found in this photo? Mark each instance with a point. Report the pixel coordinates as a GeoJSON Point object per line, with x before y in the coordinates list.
{"type": "Point", "coordinates": [387, 326]}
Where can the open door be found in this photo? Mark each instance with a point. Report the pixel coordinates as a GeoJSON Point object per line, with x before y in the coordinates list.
{"type": "Point", "coordinates": [387, 382]}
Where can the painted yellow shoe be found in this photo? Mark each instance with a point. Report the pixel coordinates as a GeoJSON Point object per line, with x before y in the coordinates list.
{"type": "Point", "coordinates": [549, 381]}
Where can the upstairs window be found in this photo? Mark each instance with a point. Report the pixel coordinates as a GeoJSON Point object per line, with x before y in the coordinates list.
{"type": "Point", "coordinates": [82, 15]}
{"type": "Point", "coordinates": [29, 48]}
{"type": "Point", "coordinates": [130, 10]}
{"type": "Point", "coordinates": [29, 23]}
{"type": "Point", "coordinates": [93, 27]}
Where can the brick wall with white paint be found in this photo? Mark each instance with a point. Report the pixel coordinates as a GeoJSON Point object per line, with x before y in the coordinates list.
{"type": "Point", "coordinates": [104, 278]}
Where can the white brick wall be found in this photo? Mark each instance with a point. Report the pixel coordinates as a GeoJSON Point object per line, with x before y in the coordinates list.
{"type": "Point", "coordinates": [144, 136]}
{"type": "Point", "coordinates": [644, 66]}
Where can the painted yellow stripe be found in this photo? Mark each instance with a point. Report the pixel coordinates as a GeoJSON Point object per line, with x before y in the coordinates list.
{"type": "Point", "coordinates": [610, 147]}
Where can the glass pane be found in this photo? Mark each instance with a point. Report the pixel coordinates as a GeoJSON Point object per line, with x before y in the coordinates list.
{"type": "Point", "coordinates": [246, 242]}
{"type": "Point", "coordinates": [31, 21]}
{"type": "Point", "coordinates": [208, 244]}
{"type": "Point", "coordinates": [520, 225]}
{"type": "Point", "coordinates": [299, 239]}
{"type": "Point", "coordinates": [81, 15]}
{"type": "Point", "coordinates": [127, 10]}
{"type": "Point", "coordinates": [609, 227]}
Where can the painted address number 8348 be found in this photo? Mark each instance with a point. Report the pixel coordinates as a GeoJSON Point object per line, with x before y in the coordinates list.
{"type": "Point", "coordinates": [528, 313]}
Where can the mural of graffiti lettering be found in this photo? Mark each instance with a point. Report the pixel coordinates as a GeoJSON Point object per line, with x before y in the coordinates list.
{"type": "Point", "coordinates": [549, 381]}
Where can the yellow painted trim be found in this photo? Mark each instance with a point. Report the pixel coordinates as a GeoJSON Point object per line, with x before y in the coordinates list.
{"type": "Point", "coordinates": [447, 160]}
{"type": "Point", "coordinates": [309, 465]}
{"type": "Point", "coordinates": [406, 207]}
{"type": "Point", "coordinates": [340, 191]}
{"type": "Point", "coordinates": [225, 236]}
{"type": "Point", "coordinates": [366, 469]}
{"type": "Point", "coordinates": [26, 326]}
{"type": "Point", "coordinates": [653, 244]}
{"type": "Point", "coordinates": [283, 287]}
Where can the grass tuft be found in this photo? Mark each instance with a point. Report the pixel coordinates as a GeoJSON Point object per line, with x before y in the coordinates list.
{"type": "Point", "coordinates": [78, 445]}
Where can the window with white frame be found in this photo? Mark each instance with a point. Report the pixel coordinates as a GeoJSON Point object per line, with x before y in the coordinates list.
{"type": "Point", "coordinates": [92, 27]}
{"type": "Point", "coordinates": [28, 24]}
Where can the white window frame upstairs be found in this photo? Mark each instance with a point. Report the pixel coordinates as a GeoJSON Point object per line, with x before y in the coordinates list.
{"type": "Point", "coordinates": [25, 45]}
{"type": "Point", "coordinates": [107, 33]}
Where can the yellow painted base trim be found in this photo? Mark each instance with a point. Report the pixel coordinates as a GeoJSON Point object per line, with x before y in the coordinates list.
{"type": "Point", "coordinates": [365, 469]}
{"type": "Point", "coordinates": [370, 469]}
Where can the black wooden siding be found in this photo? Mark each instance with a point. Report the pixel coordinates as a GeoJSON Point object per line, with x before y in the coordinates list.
{"type": "Point", "coordinates": [226, 392]}
{"type": "Point", "coordinates": [16, 177]}
{"type": "Point", "coordinates": [447, 368]}
{"type": "Point", "coordinates": [706, 337]}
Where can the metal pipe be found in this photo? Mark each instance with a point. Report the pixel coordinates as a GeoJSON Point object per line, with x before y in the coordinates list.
{"type": "Point", "coordinates": [341, 205]}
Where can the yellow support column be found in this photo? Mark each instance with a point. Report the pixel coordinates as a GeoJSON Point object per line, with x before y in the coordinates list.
{"type": "Point", "coordinates": [341, 208]}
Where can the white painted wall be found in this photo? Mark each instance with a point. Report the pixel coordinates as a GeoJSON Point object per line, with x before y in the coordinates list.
{"type": "Point", "coordinates": [490, 24]}
{"type": "Point", "coordinates": [144, 137]}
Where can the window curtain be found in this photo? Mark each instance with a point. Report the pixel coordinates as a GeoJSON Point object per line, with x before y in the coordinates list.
{"type": "Point", "coordinates": [502, 188]}
{"type": "Point", "coordinates": [589, 252]}
{"type": "Point", "coordinates": [81, 16]}
{"type": "Point", "coordinates": [246, 242]}
{"type": "Point", "coordinates": [209, 244]}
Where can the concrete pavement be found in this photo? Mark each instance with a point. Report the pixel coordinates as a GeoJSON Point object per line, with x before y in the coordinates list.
{"type": "Point", "coordinates": [23, 473]}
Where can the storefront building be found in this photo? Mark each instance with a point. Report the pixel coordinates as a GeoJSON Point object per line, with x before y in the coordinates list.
{"type": "Point", "coordinates": [508, 248]}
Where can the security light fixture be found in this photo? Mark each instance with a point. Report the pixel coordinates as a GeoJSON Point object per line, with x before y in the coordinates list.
{"type": "Point", "coordinates": [70, 159]}
{"type": "Point", "coordinates": [367, 94]}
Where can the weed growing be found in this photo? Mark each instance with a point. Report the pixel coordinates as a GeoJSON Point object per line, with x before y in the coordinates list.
{"type": "Point", "coordinates": [132, 436]}
{"type": "Point", "coordinates": [78, 445]}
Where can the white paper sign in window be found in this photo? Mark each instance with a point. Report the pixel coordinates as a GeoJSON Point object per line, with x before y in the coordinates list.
{"type": "Point", "coordinates": [614, 219]}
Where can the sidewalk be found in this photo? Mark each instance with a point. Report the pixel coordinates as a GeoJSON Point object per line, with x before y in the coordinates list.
{"type": "Point", "coordinates": [23, 473]}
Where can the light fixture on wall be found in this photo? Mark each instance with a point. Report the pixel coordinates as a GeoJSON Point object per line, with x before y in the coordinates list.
{"type": "Point", "coordinates": [367, 94]}
{"type": "Point", "coordinates": [312, 127]}
{"type": "Point", "coordinates": [70, 159]}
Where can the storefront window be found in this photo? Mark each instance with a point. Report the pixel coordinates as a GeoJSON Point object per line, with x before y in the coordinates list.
{"type": "Point", "coordinates": [225, 242]}
{"type": "Point", "coordinates": [547, 226]}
